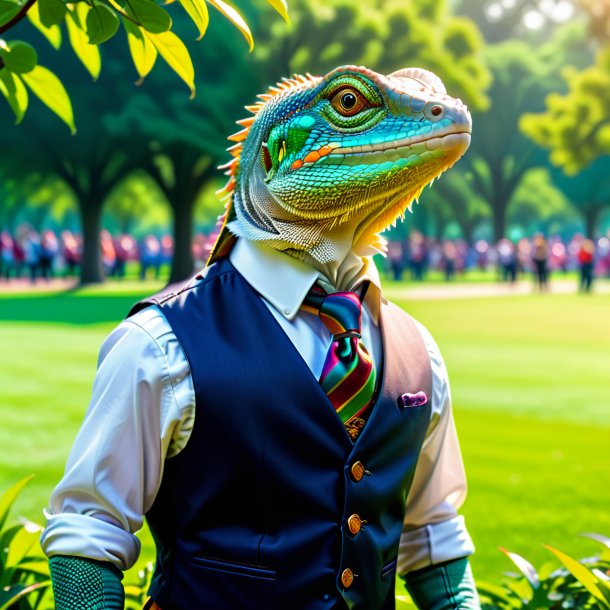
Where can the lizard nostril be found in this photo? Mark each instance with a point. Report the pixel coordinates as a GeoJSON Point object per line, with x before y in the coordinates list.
{"type": "Point", "coordinates": [436, 110]}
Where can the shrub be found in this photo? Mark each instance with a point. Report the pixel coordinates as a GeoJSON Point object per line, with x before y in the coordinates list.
{"type": "Point", "coordinates": [583, 585]}
{"type": "Point", "coordinates": [24, 571]}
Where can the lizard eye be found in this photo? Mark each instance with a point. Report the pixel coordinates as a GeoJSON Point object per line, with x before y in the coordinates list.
{"type": "Point", "coordinates": [348, 101]}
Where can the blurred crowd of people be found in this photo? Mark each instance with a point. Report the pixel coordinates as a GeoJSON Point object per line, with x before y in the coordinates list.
{"type": "Point", "coordinates": [28, 253]}
{"type": "Point", "coordinates": [511, 259]}
{"type": "Point", "coordinates": [44, 255]}
{"type": "Point", "coordinates": [33, 254]}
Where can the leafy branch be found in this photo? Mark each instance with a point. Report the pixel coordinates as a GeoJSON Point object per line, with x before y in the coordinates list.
{"type": "Point", "coordinates": [89, 23]}
{"type": "Point", "coordinates": [18, 17]}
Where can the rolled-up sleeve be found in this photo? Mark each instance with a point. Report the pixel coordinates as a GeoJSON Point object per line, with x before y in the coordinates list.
{"type": "Point", "coordinates": [141, 412]}
{"type": "Point", "coordinates": [433, 531]}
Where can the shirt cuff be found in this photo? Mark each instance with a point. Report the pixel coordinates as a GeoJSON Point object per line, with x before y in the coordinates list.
{"type": "Point", "coordinates": [90, 537]}
{"type": "Point", "coordinates": [434, 543]}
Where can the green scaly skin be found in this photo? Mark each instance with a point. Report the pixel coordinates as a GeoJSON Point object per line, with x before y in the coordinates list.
{"type": "Point", "coordinates": [85, 584]}
{"type": "Point", "coordinates": [327, 163]}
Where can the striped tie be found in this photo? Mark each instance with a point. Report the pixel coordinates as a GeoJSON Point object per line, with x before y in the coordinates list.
{"type": "Point", "coordinates": [348, 376]}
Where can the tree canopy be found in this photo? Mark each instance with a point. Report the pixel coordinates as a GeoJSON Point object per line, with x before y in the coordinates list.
{"type": "Point", "coordinates": [576, 126]}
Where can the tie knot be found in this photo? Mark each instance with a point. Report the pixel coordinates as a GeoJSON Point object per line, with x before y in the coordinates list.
{"type": "Point", "coordinates": [341, 312]}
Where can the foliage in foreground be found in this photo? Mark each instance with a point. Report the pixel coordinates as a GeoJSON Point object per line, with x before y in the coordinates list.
{"type": "Point", "coordinates": [24, 572]}
{"type": "Point", "coordinates": [582, 585]}
{"type": "Point", "coordinates": [89, 23]}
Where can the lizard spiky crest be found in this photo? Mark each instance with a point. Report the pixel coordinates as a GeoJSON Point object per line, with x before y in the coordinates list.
{"type": "Point", "coordinates": [225, 240]}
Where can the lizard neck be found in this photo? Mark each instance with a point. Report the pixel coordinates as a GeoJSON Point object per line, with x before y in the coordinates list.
{"type": "Point", "coordinates": [329, 250]}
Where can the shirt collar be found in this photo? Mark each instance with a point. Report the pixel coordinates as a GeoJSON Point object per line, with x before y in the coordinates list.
{"type": "Point", "coordinates": [284, 281]}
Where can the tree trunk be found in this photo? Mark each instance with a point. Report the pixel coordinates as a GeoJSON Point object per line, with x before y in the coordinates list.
{"type": "Point", "coordinates": [468, 231]}
{"type": "Point", "coordinates": [182, 263]}
{"type": "Point", "coordinates": [92, 271]}
{"type": "Point", "coordinates": [590, 213]}
{"type": "Point", "coordinates": [499, 219]}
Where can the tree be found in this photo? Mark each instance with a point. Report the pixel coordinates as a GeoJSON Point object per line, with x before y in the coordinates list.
{"type": "Point", "coordinates": [384, 35]}
{"type": "Point", "coordinates": [500, 155]}
{"type": "Point", "coordinates": [588, 190]}
{"type": "Point", "coordinates": [455, 199]}
{"type": "Point", "coordinates": [94, 162]}
{"type": "Point", "coordinates": [539, 205]}
{"type": "Point", "coordinates": [136, 207]}
{"type": "Point", "coordinates": [147, 26]}
{"type": "Point", "coordinates": [180, 143]}
{"type": "Point", "coordinates": [575, 127]}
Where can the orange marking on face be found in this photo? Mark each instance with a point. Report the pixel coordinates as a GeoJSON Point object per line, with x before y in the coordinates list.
{"type": "Point", "coordinates": [297, 164]}
{"type": "Point", "coordinates": [311, 157]}
{"type": "Point", "coordinates": [325, 150]}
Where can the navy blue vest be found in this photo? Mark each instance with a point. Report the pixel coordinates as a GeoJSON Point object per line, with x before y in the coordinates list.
{"type": "Point", "coordinates": [254, 513]}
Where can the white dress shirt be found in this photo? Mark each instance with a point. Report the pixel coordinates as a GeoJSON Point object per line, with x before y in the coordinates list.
{"type": "Point", "coordinates": [143, 408]}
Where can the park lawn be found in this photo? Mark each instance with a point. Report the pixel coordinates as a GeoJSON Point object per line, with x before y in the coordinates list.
{"type": "Point", "coordinates": [531, 396]}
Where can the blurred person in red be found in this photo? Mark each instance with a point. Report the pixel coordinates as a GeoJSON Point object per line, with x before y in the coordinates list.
{"type": "Point", "coordinates": [586, 256]}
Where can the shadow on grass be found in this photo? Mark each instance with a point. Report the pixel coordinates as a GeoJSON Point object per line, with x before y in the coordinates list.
{"type": "Point", "coordinates": [69, 307]}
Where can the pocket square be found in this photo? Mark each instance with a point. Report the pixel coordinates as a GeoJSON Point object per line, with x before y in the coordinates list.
{"type": "Point", "coordinates": [413, 400]}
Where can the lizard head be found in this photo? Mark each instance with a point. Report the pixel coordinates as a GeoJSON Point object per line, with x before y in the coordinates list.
{"type": "Point", "coordinates": [326, 164]}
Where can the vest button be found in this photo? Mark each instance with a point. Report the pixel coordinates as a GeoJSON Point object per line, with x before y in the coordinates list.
{"type": "Point", "coordinates": [354, 523]}
{"type": "Point", "coordinates": [357, 471]}
{"type": "Point", "coordinates": [347, 578]}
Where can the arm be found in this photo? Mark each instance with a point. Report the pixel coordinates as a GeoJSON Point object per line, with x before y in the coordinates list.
{"type": "Point", "coordinates": [435, 543]}
{"type": "Point", "coordinates": [86, 584]}
{"type": "Point", "coordinates": [141, 411]}
{"type": "Point", "coordinates": [444, 586]}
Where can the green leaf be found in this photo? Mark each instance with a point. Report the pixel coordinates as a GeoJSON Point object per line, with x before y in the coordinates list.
{"type": "Point", "coordinates": [52, 12]}
{"type": "Point", "coordinates": [8, 10]}
{"type": "Point", "coordinates": [198, 12]}
{"type": "Point", "coordinates": [142, 50]}
{"type": "Point", "coordinates": [48, 88]}
{"type": "Point", "coordinates": [586, 578]}
{"type": "Point", "coordinates": [12, 594]}
{"type": "Point", "coordinates": [52, 34]}
{"type": "Point", "coordinates": [149, 15]}
{"type": "Point", "coordinates": [37, 567]}
{"type": "Point", "coordinates": [525, 567]}
{"type": "Point", "coordinates": [235, 18]}
{"type": "Point", "coordinates": [88, 54]}
{"type": "Point", "coordinates": [22, 57]}
{"type": "Point", "coordinates": [598, 538]}
{"type": "Point", "coordinates": [173, 51]}
{"type": "Point", "coordinates": [16, 95]}
{"type": "Point", "coordinates": [281, 7]}
{"type": "Point", "coordinates": [21, 544]}
{"type": "Point", "coordinates": [102, 23]}
{"type": "Point", "coordinates": [8, 498]}
{"type": "Point", "coordinates": [603, 584]}
{"type": "Point", "coordinates": [7, 536]}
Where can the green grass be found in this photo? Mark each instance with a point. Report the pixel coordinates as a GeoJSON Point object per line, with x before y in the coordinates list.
{"type": "Point", "coordinates": [531, 393]}
{"type": "Point", "coordinates": [531, 397]}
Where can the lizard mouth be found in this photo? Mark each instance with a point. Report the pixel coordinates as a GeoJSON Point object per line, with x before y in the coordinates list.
{"type": "Point", "coordinates": [453, 135]}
